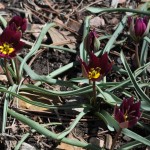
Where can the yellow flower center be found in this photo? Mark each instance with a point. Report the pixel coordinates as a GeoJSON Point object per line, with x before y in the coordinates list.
{"type": "Point", "coordinates": [126, 116]}
{"type": "Point", "coordinates": [94, 73]}
{"type": "Point", "coordinates": [6, 49]}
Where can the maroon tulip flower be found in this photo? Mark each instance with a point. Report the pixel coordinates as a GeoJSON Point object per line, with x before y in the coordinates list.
{"type": "Point", "coordinates": [139, 27]}
{"type": "Point", "coordinates": [18, 23]}
{"type": "Point", "coordinates": [10, 43]}
{"type": "Point", "coordinates": [91, 42]}
{"type": "Point", "coordinates": [97, 68]}
{"type": "Point", "coordinates": [128, 113]}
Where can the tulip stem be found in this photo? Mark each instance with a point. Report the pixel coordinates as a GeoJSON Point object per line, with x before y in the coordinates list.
{"type": "Point", "coordinates": [115, 139]}
{"type": "Point", "coordinates": [17, 69]}
{"type": "Point", "coordinates": [137, 55]}
{"type": "Point", "coordinates": [7, 72]}
{"type": "Point", "coordinates": [94, 93]}
{"type": "Point", "coordinates": [137, 58]}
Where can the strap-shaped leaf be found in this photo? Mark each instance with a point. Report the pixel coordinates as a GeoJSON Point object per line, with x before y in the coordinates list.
{"type": "Point", "coordinates": [133, 80]}
{"type": "Point", "coordinates": [43, 105]}
{"type": "Point", "coordinates": [36, 45]}
{"type": "Point", "coordinates": [39, 128]}
{"type": "Point", "coordinates": [6, 102]}
{"type": "Point", "coordinates": [101, 10]}
{"type": "Point", "coordinates": [69, 129]}
{"type": "Point", "coordinates": [127, 132]}
{"type": "Point", "coordinates": [83, 53]}
{"type": "Point", "coordinates": [112, 40]}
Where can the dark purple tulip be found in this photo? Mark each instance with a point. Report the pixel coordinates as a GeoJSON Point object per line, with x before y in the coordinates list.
{"type": "Point", "coordinates": [18, 23]}
{"type": "Point", "coordinates": [139, 27]}
{"type": "Point", "coordinates": [91, 42]}
{"type": "Point", "coordinates": [10, 43]}
{"type": "Point", "coordinates": [128, 113]}
{"type": "Point", "coordinates": [97, 68]}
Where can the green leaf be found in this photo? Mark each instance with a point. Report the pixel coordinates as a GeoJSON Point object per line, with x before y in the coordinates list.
{"type": "Point", "coordinates": [3, 21]}
{"type": "Point", "coordinates": [59, 71]}
{"type": "Point", "coordinates": [144, 53]}
{"type": "Point", "coordinates": [43, 78]}
{"type": "Point", "coordinates": [39, 128]}
{"type": "Point", "coordinates": [127, 132]}
{"type": "Point", "coordinates": [136, 137]}
{"type": "Point", "coordinates": [105, 117]}
{"type": "Point", "coordinates": [131, 145]}
{"type": "Point", "coordinates": [6, 103]}
{"type": "Point", "coordinates": [108, 97]}
{"type": "Point", "coordinates": [36, 46]}
{"type": "Point", "coordinates": [69, 129]}
{"type": "Point", "coordinates": [101, 10]}
{"type": "Point", "coordinates": [83, 53]}
{"type": "Point", "coordinates": [25, 136]}
{"type": "Point", "coordinates": [32, 88]}
{"type": "Point", "coordinates": [132, 78]}
{"type": "Point", "coordinates": [43, 105]}
{"type": "Point", "coordinates": [145, 106]}
{"type": "Point", "coordinates": [115, 35]}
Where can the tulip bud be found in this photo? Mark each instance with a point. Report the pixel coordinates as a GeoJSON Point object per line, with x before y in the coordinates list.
{"type": "Point", "coordinates": [91, 42]}
{"type": "Point", "coordinates": [138, 27]}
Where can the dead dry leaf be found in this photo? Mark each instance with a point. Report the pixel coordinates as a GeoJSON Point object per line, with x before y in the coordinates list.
{"type": "Point", "coordinates": [71, 25]}
{"type": "Point", "coordinates": [3, 78]}
{"type": "Point", "coordinates": [59, 39]}
{"type": "Point", "coordinates": [108, 141]}
{"type": "Point", "coordinates": [36, 30]}
{"type": "Point", "coordinates": [2, 6]}
{"type": "Point", "coordinates": [114, 3]}
{"type": "Point", "coordinates": [97, 22]}
{"type": "Point", "coordinates": [35, 97]}
{"type": "Point", "coordinates": [74, 25]}
{"type": "Point", "coordinates": [64, 146]}
{"type": "Point", "coordinates": [122, 1]}
{"type": "Point", "coordinates": [114, 21]}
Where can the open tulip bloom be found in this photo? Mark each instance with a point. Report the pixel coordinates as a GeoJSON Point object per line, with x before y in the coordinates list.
{"type": "Point", "coordinates": [10, 43]}
{"type": "Point", "coordinates": [128, 113]}
{"type": "Point", "coordinates": [138, 27]}
{"type": "Point", "coordinates": [97, 68]}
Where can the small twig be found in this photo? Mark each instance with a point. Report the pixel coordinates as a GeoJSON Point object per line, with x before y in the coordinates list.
{"type": "Point", "coordinates": [115, 139]}
{"type": "Point", "coordinates": [69, 41]}
{"type": "Point", "coordinates": [89, 5]}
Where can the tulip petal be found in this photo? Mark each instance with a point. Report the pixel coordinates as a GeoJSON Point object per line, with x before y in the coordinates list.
{"type": "Point", "coordinates": [18, 46]}
{"type": "Point", "coordinates": [94, 61]}
{"type": "Point", "coordinates": [128, 113]}
{"type": "Point", "coordinates": [133, 122]}
{"type": "Point", "coordinates": [18, 22]}
{"type": "Point", "coordinates": [10, 36]}
{"type": "Point", "coordinates": [104, 64]}
{"type": "Point", "coordinates": [118, 115]}
{"type": "Point", "coordinates": [140, 27]}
